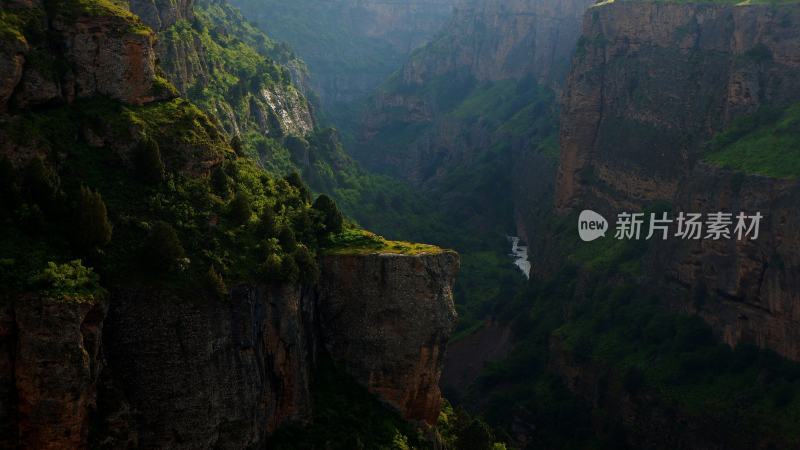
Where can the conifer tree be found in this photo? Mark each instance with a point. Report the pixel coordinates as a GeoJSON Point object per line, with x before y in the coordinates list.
{"type": "Point", "coordinates": [240, 209]}
{"type": "Point", "coordinates": [91, 227]}
{"type": "Point", "coordinates": [162, 249]}
{"type": "Point", "coordinates": [332, 218]}
{"type": "Point", "coordinates": [149, 164]}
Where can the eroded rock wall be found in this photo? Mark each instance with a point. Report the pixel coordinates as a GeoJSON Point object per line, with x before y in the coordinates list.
{"type": "Point", "coordinates": [651, 83]}
{"type": "Point", "coordinates": [386, 319]}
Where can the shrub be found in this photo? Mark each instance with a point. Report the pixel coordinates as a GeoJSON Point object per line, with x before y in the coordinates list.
{"type": "Point", "coordinates": [41, 184]}
{"type": "Point", "coordinates": [237, 146]}
{"type": "Point", "coordinates": [332, 218]}
{"type": "Point", "coordinates": [633, 380]}
{"type": "Point", "coordinates": [69, 279]}
{"type": "Point", "coordinates": [271, 269]}
{"type": "Point", "coordinates": [287, 240]}
{"type": "Point", "coordinates": [149, 165]}
{"type": "Point", "coordinates": [290, 272]}
{"type": "Point", "coordinates": [267, 224]}
{"type": "Point", "coordinates": [90, 226]}
{"type": "Point", "coordinates": [298, 149]}
{"type": "Point", "coordinates": [307, 264]}
{"type": "Point", "coordinates": [162, 250]}
{"type": "Point", "coordinates": [296, 181]}
{"type": "Point", "coordinates": [239, 209]}
{"type": "Point", "coordinates": [220, 182]}
{"type": "Point", "coordinates": [476, 436]}
{"type": "Point", "coordinates": [8, 187]}
{"type": "Point", "coordinates": [215, 283]}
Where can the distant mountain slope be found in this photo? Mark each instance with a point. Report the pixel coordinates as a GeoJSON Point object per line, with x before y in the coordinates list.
{"type": "Point", "coordinates": [351, 46]}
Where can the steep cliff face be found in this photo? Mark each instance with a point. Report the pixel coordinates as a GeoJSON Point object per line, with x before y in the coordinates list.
{"type": "Point", "coordinates": [436, 107]}
{"type": "Point", "coordinates": [350, 46]}
{"type": "Point", "coordinates": [106, 52]}
{"type": "Point", "coordinates": [649, 421]}
{"type": "Point", "coordinates": [51, 359]}
{"type": "Point", "coordinates": [665, 78]}
{"type": "Point", "coordinates": [161, 14]}
{"type": "Point", "coordinates": [496, 40]}
{"type": "Point", "coordinates": [386, 318]}
{"type": "Point", "coordinates": [229, 68]}
{"type": "Point", "coordinates": [203, 373]}
{"type": "Point", "coordinates": [756, 292]}
{"type": "Point", "coordinates": [182, 371]}
{"type": "Point", "coordinates": [109, 177]}
{"type": "Point", "coordinates": [651, 84]}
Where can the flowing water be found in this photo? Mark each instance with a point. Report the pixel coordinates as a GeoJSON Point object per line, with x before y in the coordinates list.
{"type": "Point", "coordinates": [520, 255]}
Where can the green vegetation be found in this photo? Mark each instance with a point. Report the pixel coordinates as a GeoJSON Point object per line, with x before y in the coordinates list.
{"type": "Point", "coordinates": [599, 313]}
{"type": "Point", "coordinates": [245, 63]}
{"type": "Point", "coordinates": [164, 234]}
{"type": "Point", "coordinates": [766, 143]}
{"type": "Point", "coordinates": [348, 417]}
{"type": "Point", "coordinates": [70, 281]}
{"type": "Point", "coordinates": [162, 251]}
{"type": "Point", "coordinates": [75, 9]}
{"type": "Point", "coordinates": [148, 161]}
{"type": "Point", "coordinates": [91, 228]}
{"type": "Point", "coordinates": [11, 26]}
{"type": "Point", "coordinates": [354, 241]}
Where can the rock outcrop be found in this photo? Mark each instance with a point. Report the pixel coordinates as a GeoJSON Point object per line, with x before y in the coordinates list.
{"type": "Point", "coordinates": [351, 46]}
{"type": "Point", "coordinates": [167, 370]}
{"type": "Point", "coordinates": [151, 366]}
{"type": "Point", "coordinates": [486, 42]}
{"type": "Point", "coordinates": [161, 14]}
{"type": "Point", "coordinates": [50, 358]}
{"type": "Point", "coordinates": [651, 83]}
{"type": "Point", "coordinates": [497, 40]}
{"type": "Point", "coordinates": [205, 373]}
{"type": "Point", "coordinates": [386, 319]}
{"type": "Point", "coordinates": [754, 293]}
{"type": "Point", "coordinates": [105, 52]}
{"type": "Point", "coordinates": [194, 56]}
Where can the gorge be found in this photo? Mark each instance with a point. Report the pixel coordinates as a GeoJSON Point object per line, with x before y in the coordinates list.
{"type": "Point", "coordinates": [186, 189]}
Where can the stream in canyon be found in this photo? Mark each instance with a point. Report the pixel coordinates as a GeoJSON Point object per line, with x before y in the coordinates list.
{"type": "Point", "coordinates": [519, 253]}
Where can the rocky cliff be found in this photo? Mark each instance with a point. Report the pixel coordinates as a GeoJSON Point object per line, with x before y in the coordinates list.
{"type": "Point", "coordinates": [121, 355]}
{"type": "Point", "coordinates": [386, 320]}
{"type": "Point", "coordinates": [162, 369]}
{"type": "Point", "coordinates": [55, 55]}
{"type": "Point", "coordinates": [665, 77]}
{"type": "Point", "coordinates": [436, 107]}
{"type": "Point", "coordinates": [235, 72]}
{"type": "Point", "coordinates": [651, 84]}
{"type": "Point", "coordinates": [50, 357]}
{"type": "Point", "coordinates": [496, 40]}
{"type": "Point", "coordinates": [350, 46]}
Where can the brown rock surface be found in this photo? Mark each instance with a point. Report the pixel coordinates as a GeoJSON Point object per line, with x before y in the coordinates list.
{"type": "Point", "coordinates": [652, 81]}
{"type": "Point", "coordinates": [56, 363]}
{"type": "Point", "coordinates": [386, 319]}
{"type": "Point", "coordinates": [161, 14]}
{"type": "Point", "coordinates": [650, 84]}
{"type": "Point", "coordinates": [207, 373]}
{"type": "Point", "coordinates": [485, 41]}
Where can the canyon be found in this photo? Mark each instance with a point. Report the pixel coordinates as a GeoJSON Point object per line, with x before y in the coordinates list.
{"type": "Point", "coordinates": [698, 69]}
{"type": "Point", "coordinates": [351, 47]}
{"type": "Point", "coordinates": [140, 362]}
{"type": "Point", "coordinates": [488, 118]}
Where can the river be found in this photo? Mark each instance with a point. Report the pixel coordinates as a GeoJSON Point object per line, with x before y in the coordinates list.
{"type": "Point", "coordinates": [520, 255]}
